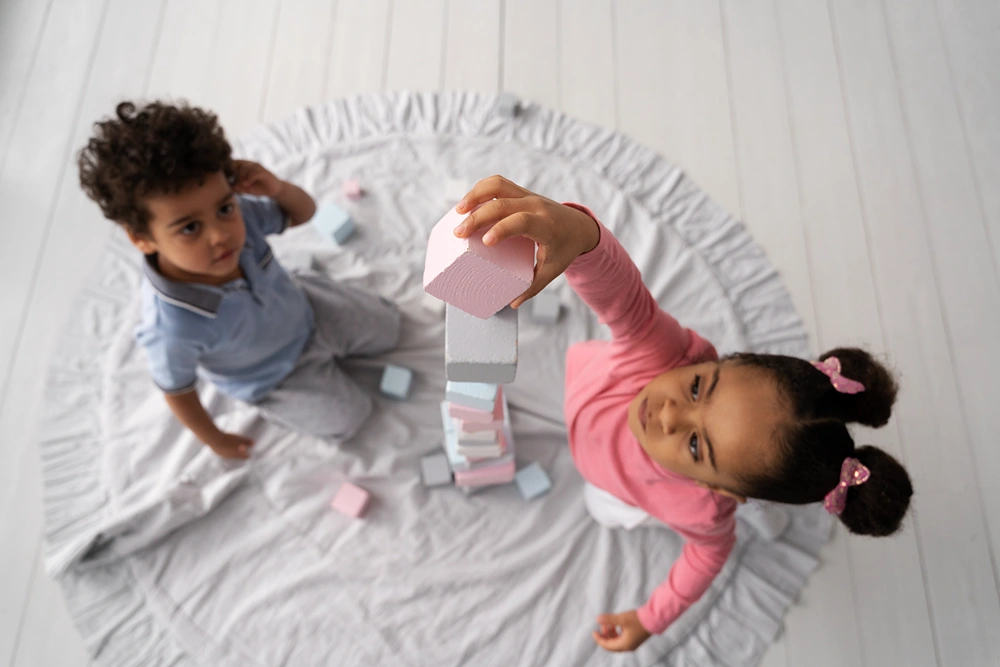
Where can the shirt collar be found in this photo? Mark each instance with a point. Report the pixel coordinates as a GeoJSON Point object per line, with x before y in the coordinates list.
{"type": "Point", "coordinates": [201, 299]}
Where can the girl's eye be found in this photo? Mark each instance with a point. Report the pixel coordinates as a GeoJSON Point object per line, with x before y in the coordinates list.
{"type": "Point", "coordinates": [226, 210]}
{"type": "Point", "coordinates": [695, 387]}
{"type": "Point", "coordinates": [693, 446]}
{"type": "Point", "coordinates": [191, 228]}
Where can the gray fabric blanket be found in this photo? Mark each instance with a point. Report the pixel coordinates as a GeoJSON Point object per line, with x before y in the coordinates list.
{"type": "Point", "coordinates": [171, 556]}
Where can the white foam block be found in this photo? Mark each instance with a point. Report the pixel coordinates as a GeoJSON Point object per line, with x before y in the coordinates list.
{"type": "Point", "coordinates": [478, 350]}
{"type": "Point", "coordinates": [507, 105]}
{"type": "Point", "coordinates": [476, 395]}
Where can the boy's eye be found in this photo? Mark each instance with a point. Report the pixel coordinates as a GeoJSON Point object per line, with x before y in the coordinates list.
{"type": "Point", "coordinates": [227, 209]}
{"type": "Point", "coordinates": [191, 228]}
{"type": "Point", "coordinates": [693, 446]}
{"type": "Point", "coordinates": [695, 387]}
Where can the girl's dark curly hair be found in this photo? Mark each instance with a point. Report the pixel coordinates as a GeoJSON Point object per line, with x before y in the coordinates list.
{"type": "Point", "coordinates": [814, 444]}
{"type": "Point", "coordinates": [158, 148]}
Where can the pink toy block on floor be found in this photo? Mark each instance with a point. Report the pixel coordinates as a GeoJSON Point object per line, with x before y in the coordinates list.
{"type": "Point", "coordinates": [350, 500]}
{"type": "Point", "coordinates": [353, 189]}
{"type": "Point", "coordinates": [474, 277]}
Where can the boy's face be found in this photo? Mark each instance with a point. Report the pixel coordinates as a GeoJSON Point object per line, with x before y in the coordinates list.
{"type": "Point", "coordinates": [197, 233]}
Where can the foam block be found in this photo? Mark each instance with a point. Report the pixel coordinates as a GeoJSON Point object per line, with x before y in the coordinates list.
{"type": "Point", "coordinates": [396, 382]}
{"type": "Point", "coordinates": [532, 481]}
{"type": "Point", "coordinates": [435, 471]}
{"type": "Point", "coordinates": [507, 105]}
{"type": "Point", "coordinates": [503, 474]}
{"type": "Point", "coordinates": [334, 223]}
{"type": "Point", "coordinates": [471, 276]}
{"type": "Point", "coordinates": [489, 437]}
{"type": "Point", "coordinates": [433, 304]}
{"type": "Point", "coordinates": [476, 395]}
{"type": "Point", "coordinates": [458, 461]}
{"type": "Point", "coordinates": [545, 308]}
{"type": "Point", "coordinates": [475, 451]}
{"type": "Point", "coordinates": [350, 500]}
{"type": "Point", "coordinates": [352, 189]}
{"type": "Point", "coordinates": [478, 350]}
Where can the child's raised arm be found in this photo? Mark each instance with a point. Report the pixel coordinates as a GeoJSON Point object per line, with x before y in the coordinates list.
{"type": "Point", "coordinates": [570, 239]}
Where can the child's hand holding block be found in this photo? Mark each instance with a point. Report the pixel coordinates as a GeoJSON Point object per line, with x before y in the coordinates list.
{"type": "Point", "coordinates": [472, 276]}
{"type": "Point", "coordinates": [334, 223]}
{"type": "Point", "coordinates": [532, 481]}
{"type": "Point", "coordinates": [478, 350]}
{"type": "Point", "coordinates": [350, 500]}
{"type": "Point", "coordinates": [396, 382]}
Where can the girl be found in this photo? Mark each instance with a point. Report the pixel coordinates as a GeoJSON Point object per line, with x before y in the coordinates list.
{"type": "Point", "coordinates": [657, 423]}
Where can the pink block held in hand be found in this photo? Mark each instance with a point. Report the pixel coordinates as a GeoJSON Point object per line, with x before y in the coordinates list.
{"type": "Point", "coordinates": [472, 276]}
{"type": "Point", "coordinates": [350, 500]}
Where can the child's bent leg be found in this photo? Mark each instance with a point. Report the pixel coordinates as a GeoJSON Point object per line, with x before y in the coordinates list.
{"type": "Point", "coordinates": [612, 512]}
{"type": "Point", "coordinates": [321, 400]}
{"type": "Point", "coordinates": [349, 321]}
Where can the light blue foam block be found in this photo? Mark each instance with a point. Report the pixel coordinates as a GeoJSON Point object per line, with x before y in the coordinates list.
{"type": "Point", "coordinates": [334, 223]}
{"type": "Point", "coordinates": [532, 481]}
{"type": "Point", "coordinates": [396, 382]}
{"type": "Point", "coordinates": [478, 395]}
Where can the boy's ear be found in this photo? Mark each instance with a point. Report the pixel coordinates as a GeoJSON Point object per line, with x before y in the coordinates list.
{"type": "Point", "coordinates": [723, 492]}
{"type": "Point", "coordinates": [145, 244]}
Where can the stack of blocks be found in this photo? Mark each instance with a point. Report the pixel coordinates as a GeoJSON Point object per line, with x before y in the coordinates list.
{"type": "Point", "coordinates": [477, 282]}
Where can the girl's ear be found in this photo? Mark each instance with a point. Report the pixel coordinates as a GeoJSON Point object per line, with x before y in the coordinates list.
{"type": "Point", "coordinates": [723, 492]}
{"type": "Point", "coordinates": [145, 244]}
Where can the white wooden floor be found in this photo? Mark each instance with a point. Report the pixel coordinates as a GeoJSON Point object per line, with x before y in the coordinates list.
{"type": "Point", "coordinates": [859, 139]}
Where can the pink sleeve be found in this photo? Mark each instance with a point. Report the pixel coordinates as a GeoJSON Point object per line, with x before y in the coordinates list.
{"type": "Point", "coordinates": [701, 560]}
{"type": "Point", "coordinates": [609, 282]}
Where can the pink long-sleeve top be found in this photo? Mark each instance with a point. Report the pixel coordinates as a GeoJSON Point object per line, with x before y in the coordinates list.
{"type": "Point", "coordinates": [601, 379]}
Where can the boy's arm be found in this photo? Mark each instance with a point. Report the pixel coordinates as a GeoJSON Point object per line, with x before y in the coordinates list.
{"type": "Point", "coordinates": [251, 178]}
{"type": "Point", "coordinates": [189, 411]}
{"type": "Point", "coordinates": [296, 203]}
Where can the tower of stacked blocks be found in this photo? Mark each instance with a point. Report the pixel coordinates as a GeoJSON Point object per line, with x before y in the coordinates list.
{"type": "Point", "coordinates": [477, 282]}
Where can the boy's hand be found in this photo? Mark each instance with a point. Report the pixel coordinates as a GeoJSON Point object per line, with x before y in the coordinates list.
{"type": "Point", "coordinates": [230, 445]}
{"type": "Point", "coordinates": [562, 233]}
{"type": "Point", "coordinates": [252, 179]}
{"type": "Point", "coordinates": [620, 632]}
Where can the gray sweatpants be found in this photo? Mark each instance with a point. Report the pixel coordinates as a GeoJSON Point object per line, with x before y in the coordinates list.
{"type": "Point", "coordinates": [318, 397]}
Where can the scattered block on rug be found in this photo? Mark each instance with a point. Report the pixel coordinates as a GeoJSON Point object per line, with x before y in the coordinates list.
{"type": "Point", "coordinates": [435, 470]}
{"type": "Point", "coordinates": [472, 276]}
{"type": "Point", "coordinates": [507, 105]}
{"type": "Point", "coordinates": [532, 481]}
{"type": "Point", "coordinates": [476, 395]}
{"type": "Point", "coordinates": [396, 382]}
{"type": "Point", "coordinates": [350, 500]}
{"type": "Point", "coordinates": [477, 350]}
{"type": "Point", "coordinates": [334, 223]}
{"type": "Point", "coordinates": [433, 304]}
{"type": "Point", "coordinates": [545, 308]}
{"type": "Point", "coordinates": [352, 189]}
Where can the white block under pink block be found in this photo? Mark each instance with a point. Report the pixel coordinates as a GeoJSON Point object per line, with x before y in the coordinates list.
{"type": "Point", "coordinates": [472, 276]}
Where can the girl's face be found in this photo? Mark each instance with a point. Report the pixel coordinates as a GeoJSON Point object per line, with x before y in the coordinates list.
{"type": "Point", "coordinates": [713, 422]}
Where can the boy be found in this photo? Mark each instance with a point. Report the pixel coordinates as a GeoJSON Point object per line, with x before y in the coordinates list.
{"type": "Point", "coordinates": [215, 302]}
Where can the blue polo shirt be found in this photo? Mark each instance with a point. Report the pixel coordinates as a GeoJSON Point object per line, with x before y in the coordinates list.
{"type": "Point", "coordinates": [244, 336]}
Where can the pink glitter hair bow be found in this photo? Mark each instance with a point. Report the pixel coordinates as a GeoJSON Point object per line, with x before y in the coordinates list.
{"type": "Point", "coordinates": [831, 368]}
{"type": "Point", "coordinates": [852, 473]}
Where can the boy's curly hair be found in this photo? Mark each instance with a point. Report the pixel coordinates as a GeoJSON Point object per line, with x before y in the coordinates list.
{"type": "Point", "coordinates": [158, 148]}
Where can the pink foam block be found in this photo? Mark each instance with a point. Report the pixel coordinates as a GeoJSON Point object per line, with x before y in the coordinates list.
{"type": "Point", "coordinates": [469, 416]}
{"type": "Point", "coordinates": [350, 500]}
{"type": "Point", "coordinates": [471, 276]}
{"type": "Point", "coordinates": [500, 474]}
{"type": "Point", "coordinates": [353, 189]}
